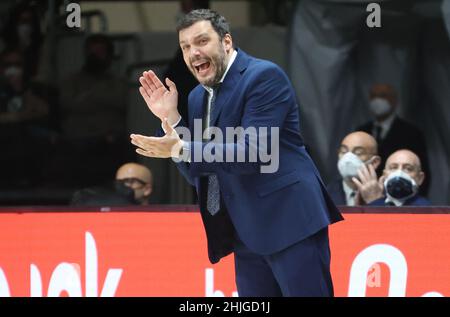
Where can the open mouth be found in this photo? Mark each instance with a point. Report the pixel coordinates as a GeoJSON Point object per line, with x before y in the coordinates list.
{"type": "Point", "coordinates": [202, 68]}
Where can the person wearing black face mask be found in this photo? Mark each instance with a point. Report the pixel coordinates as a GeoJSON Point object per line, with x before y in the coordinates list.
{"type": "Point", "coordinates": [402, 177]}
{"type": "Point", "coordinates": [139, 178]}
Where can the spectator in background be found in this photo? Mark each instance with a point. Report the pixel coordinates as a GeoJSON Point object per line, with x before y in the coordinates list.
{"type": "Point", "coordinates": [23, 32]}
{"type": "Point", "coordinates": [132, 186]}
{"type": "Point", "coordinates": [391, 132]}
{"type": "Point", "coordinates": [93, 118]}
{"type": "Point", "coordinates": [93, 100]}
{"type": "Point", "coordinates": [358, 159]}
{"type": "Point", "coordinates": [402, 177]}
{"type": "Point", "coordinates": [18, 103]}
{"type": "Point", "coordinates": [137, 177]}
{"type": "Point", "coordinates": [24, 131]}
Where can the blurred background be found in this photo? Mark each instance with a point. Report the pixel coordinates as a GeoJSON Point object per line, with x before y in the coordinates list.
{"type": "Point", "coordinates": [69, 95]}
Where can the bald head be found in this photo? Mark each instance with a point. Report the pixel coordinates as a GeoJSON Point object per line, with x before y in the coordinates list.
{"type": "Point", "coordinates": [408, 162]}
{"type": "Point", "coordinates": [134, 170]}
{"type": "Point", "coordinates": [360, 143]}
{"type": "Point", "coordinates": [139, 178]}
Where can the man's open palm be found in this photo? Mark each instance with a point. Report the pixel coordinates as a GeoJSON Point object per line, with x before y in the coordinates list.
{"type": "Point", "coordinates": [161, 101]}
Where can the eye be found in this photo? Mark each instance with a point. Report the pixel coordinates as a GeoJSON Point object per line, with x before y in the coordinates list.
{"type": "Point", "coordinates": [409, 169]}
{"type": "Point", "coordinates": [203, 41]}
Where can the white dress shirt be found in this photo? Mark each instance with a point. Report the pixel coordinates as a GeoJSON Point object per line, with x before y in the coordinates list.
{"type": "Point", "coordinates": [350, 194]}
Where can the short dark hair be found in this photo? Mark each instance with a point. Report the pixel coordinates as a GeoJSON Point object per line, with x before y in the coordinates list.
{"type": "Point", "coordinates": [218, 22]}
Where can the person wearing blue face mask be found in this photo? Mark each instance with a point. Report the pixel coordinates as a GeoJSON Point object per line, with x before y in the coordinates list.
{"type": "Point", "coordinates": [402, 177]}
{"type": "Point", "coordinates": [358, 159]}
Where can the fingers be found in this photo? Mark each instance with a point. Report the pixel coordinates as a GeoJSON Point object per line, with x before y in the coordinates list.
{"type": "Point", "coordinates": [146, 153]}
{"type": "Point", "coordinates": [372, 171]}
{"type": "Point", "coordinates": [357, 183]}
{"type": "Point", "coordinates": [146, 85]}
{"type": "Point", "coordinates": [144, 95]}
{"type": "Point", "coordinates": [150, 146]}
{"type": "Point", "coordinates": [367, 173]}
{"type": "Point", "coordinates": [171, 85]}
{"type": "Point", "coordinates": [153, 80]}
{"type": "Point", "coordinates": [144, 142]}
{"type": "Point", "coordinates": [363, 174]}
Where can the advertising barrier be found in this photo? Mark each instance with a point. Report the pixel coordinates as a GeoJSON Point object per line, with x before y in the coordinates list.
{"type": "Point", "coordinates": [164, 254]}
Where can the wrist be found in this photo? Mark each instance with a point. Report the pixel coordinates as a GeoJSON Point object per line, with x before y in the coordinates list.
{"type": "Point", "coordinates": [173, 118]}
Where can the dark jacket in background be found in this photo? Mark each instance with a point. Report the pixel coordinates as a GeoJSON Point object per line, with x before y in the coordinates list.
{"type": "Point", "coordinates": [413, 201]}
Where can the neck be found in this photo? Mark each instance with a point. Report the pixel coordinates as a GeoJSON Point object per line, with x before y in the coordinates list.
{"type": "Point", "coordinates": [228, 57]}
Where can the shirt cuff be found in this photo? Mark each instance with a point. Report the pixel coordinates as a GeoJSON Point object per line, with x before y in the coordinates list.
{"type": "Point", "coordinates": [186, 154]}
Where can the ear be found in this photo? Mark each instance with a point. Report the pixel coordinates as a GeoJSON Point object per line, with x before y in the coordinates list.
{"type": "Point", "coordinates": [376, 161]}
{"type": "Point", "coordinates": [227, 42]}
{"type": "Point", "coordinates": [420, 178]}
{"type": "Point", "coordinates": [148, 190]}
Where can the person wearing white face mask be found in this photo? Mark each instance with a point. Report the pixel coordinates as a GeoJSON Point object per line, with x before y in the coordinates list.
{"type": "Point", "coordinates": [22, 31]}
{"type": "Point", "coordinates": [392, 132]}
{"type": "Point", "coordinates": [402, 177]}
{"type": "Point", "coordinates": [358, 159]}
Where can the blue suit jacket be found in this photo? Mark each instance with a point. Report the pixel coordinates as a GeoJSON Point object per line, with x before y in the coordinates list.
{"type": "Point", "coordinates": [336, 191]}
{"type": "Point", "coordinates": [269, 211]}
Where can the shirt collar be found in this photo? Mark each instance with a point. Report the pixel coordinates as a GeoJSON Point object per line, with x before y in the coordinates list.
{"type": "Point", "coordinates": [350, 193]}
{"type": "Point", "coordinates": [230, 62]}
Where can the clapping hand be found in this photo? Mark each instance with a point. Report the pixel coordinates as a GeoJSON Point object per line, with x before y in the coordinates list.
{"type": "Point", "coordinates": [161, 101]}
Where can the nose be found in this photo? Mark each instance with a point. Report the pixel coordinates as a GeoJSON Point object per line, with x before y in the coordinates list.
{"type": "Point", "coordinates": [194, 51]}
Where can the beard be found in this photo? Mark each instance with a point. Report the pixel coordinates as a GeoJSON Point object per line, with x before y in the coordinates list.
{"type": "Point", "coordinates": [218, 61]}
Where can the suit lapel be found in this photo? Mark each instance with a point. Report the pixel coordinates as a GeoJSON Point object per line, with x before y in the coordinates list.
{"type": "Point", "coordinates": [229, 85]}
{"type": "Point", "coordinates": [198, 105]}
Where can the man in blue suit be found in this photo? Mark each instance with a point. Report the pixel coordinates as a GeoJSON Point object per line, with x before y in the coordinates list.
{"type": "Point", "coordinates": [273, 214]}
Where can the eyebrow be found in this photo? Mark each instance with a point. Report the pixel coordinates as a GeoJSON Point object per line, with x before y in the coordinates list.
{"type": "Point", "coordinates": [196, 37]}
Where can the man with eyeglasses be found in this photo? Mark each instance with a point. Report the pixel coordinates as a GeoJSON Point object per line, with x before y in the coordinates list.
{"type": "Point", "coordinates": [358, 161]}
{"type": "Point", "coordinates": [137, 177]}
{"type": "Point", "coordinates": [402, 177]}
